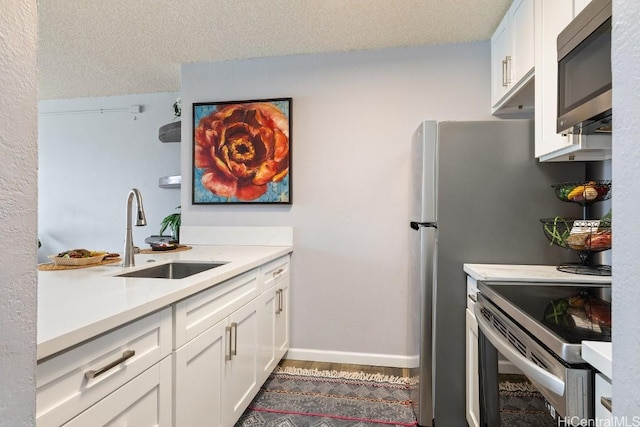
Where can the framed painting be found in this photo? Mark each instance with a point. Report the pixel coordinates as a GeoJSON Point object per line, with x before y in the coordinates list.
{"type": "Point", "coordinates": [242, 152]}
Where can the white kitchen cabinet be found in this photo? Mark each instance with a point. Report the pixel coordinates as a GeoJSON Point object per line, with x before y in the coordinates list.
{"type": "Point", "coordinates": [282, 318]}
{"type": "Point", "coordinates": [199, 375]}
{"type": "Point", "coordinates": [221, 366]}
{"type": "Point", "coordinates": [604, 417]}
{"type": "Point", "coordinates": [241, 367]}
{"type": "Point", "coordinates": [216, 372]}
{"type": "Point", "coordinates": [267, 307]}
{"type": "Point", "coordinates": [144, 401]}
{"type": "Point", "coordinates": [199, 312]}
{"type": "Point", "coordinates": [512, 61]}
{"type": "Point", "coordinates": [71, 382]}
{"type": "Point", "coordinates": [274, 314]}
{"type": "Point", "coordinates": [551, 17]}
{"type": "Point", "coordinates": [471, 351]}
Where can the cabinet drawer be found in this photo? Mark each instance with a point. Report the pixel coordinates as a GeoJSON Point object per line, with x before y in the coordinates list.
{"type": "Point", "coordinates": [68, 383]}
{"type": "Point", "coordinates": [275, 271]}
{"type": "Point", "coordinates": [144, 401]}
{"type": "Point", "coordinates": [199, 312]}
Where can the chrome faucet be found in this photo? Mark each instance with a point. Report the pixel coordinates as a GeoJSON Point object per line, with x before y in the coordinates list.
{"type": "Point", "coordinates": [140, 221]}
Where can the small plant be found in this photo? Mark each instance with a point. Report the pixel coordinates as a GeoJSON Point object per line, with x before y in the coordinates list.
{"type": "Point", "coordinates": [172, 221]}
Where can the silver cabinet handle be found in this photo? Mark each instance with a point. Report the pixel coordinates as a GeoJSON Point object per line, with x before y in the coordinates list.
{"type": "Point", "coordinates": [234, 326]}
{"type": "Point", "coordinates": [94, 373]}
{"type": "Point", "coordinates": [507, 70]}
{"type": "Point", "coordinates": [279, 295]}
{"type": "Point", "coordinates": [504, 73]}
{"type": "Point", "coordinates": [473, 297]}
{"type": "Point", "coordinates": [278, 272]}
{"type": "Point", "coordinates": [227, 356]}
{"type": "Point", "coordinates": [607, 403]}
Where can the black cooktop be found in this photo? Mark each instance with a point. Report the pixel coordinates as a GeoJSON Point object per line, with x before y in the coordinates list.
{"type": "Point", "coordinates": [574, 313]}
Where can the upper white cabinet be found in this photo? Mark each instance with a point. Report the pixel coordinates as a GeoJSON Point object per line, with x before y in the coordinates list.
{"type": "Point", "coordinates": [551, 17]}
{"type": "Point", "coordinates": [512, 61]}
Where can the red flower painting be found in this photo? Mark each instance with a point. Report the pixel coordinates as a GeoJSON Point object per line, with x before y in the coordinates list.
{"type": "Point", "coordinates": [242, 151]}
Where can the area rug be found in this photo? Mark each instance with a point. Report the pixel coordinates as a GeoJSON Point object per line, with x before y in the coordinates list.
{"type": "Point", "coordinates": [294, 397]}
{"type": "Point", "coordinates": [521, 405]}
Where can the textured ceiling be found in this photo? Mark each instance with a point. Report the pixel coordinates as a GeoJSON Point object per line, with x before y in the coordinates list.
{"type": "Point", "coordinates": [102, 48]}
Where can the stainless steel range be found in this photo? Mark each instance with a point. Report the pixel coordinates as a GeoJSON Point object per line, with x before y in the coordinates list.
{"type": "Point", "coordinates": [539, 327]}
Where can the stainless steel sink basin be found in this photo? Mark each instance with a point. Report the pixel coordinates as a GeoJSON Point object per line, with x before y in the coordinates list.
{"type": "Point", "coordinates": [172, 270]}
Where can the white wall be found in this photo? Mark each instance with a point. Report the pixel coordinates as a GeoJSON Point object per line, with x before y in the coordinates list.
{"type": "Point", "coordinates": [626, 207]}
{"type": "Point", "coordinates": [18, 204]}
{"type": "Point", "coordinates": [353, 117]}
{"type": "Point", "coordinates": [88, 163]}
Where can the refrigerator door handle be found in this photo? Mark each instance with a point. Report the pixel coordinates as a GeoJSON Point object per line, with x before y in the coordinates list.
{"type": "Point", "coordinates": [416, 225]}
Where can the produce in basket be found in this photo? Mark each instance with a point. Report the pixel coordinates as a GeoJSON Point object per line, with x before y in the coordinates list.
{"type": "Point", "coordinates": [587, 192]}
{"type": "Point", "coordinates": [579, 311]}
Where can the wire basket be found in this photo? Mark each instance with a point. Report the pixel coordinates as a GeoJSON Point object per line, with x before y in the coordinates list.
{"type": "Point", "coordinates": [584, 237]}
{"type": "Point", "coordinates": [583, 193]}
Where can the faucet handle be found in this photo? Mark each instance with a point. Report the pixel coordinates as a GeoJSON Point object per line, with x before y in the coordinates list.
{"type": "Point", "coordinates": [136, 249]}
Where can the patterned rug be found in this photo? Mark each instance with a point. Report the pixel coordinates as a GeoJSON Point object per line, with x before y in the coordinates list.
{"type": "Point", "coordinates": [294, 397]}
{"type": "Point", "coordinates": [521, 405]}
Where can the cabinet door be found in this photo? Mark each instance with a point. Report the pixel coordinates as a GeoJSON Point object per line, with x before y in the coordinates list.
{"type": "Point", "coordinates": [199, 373]}
{"type": "Point", "coordinates": [472, 388]}
{"type": "Point", "coordinates": [282, 319]}
{"type": "Point", "coordinates": [552, 17]}
{"type": "Point", "coordinates": [603, 390]}
{"type": "Point", "coordinates": [522, 39]}
{"type": "Point", "coordinates": [500, 52]}
{"type": "Point", "coordinates": [267, 308]}
{"type": "Point", "coordinates": [145, 401]}
{"type": "Point", "coordinates": [241, 383]}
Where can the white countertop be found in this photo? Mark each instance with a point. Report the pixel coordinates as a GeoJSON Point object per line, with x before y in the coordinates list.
{"type": "Point", "coordinates": [599, 355]}
{"type": "Point", "coordinates": [75, 305]}
{"type": "Point", "coordinates": [528, 273]}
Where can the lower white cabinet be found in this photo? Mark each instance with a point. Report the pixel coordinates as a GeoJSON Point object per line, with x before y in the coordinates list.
{"type": "Point", "coordinates": [241, 367]}
{"type": "Point", "coordinates": [472, 385]}
{"type": "Point", "coordinates": [144, 401]}
{"type": "Point", "coordinates": [216, 372]}
{"type": "Point", "coordinates": [199, 374]}
{"type": "Point", "coordinates": [472, 388]}
{"type": "Point", "coordinates": [282, 318]}
{"type": "Point", "coordinates": [226, 341]}
{"type": "Point", "coordinates": [603, 401]}
{"type": "Point", "coordinates": [219, 371]}
{"type": "Point", "coordinates": [71, 382]}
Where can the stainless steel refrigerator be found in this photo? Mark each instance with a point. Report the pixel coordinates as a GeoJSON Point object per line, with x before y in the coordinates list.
{"type": "Point", "coordinates": [478, 196]}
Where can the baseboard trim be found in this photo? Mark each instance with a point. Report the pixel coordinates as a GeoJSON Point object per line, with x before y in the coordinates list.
{"type": "Point", "coordinates": [370, 359]}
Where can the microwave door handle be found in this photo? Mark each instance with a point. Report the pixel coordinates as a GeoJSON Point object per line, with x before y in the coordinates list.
{"type": "Point", "coordinates": [530, 369]}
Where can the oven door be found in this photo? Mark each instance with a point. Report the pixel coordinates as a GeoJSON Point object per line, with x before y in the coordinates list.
{"type": "Point", "coordinates": [566, 388]}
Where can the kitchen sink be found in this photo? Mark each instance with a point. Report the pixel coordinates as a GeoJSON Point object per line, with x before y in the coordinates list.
{"type": "Point", "coordinates": [172, 270]}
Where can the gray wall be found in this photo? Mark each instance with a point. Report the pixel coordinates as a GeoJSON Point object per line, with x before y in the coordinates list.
{"type": "Point", "coordinates": [353, 118]}
{"type": "Point", "coordinates": [88, 162]}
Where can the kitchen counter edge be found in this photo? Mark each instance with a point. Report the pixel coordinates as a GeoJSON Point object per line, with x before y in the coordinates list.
{"type": "Point", "coordinates": [528, 273]}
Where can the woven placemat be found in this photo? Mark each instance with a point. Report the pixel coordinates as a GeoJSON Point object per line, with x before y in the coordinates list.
{"type": "Point", "coordinates": [53, 267]}
{"type": "Point", "coordinates": [180, 248]}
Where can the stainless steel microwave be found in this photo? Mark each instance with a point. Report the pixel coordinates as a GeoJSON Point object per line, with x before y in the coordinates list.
{"type": "Point", "coordinates": [584, 72]}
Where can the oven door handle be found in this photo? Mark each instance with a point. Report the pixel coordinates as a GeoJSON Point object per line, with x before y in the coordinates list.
{"type": "Point", "coordinates": [530, 369]}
